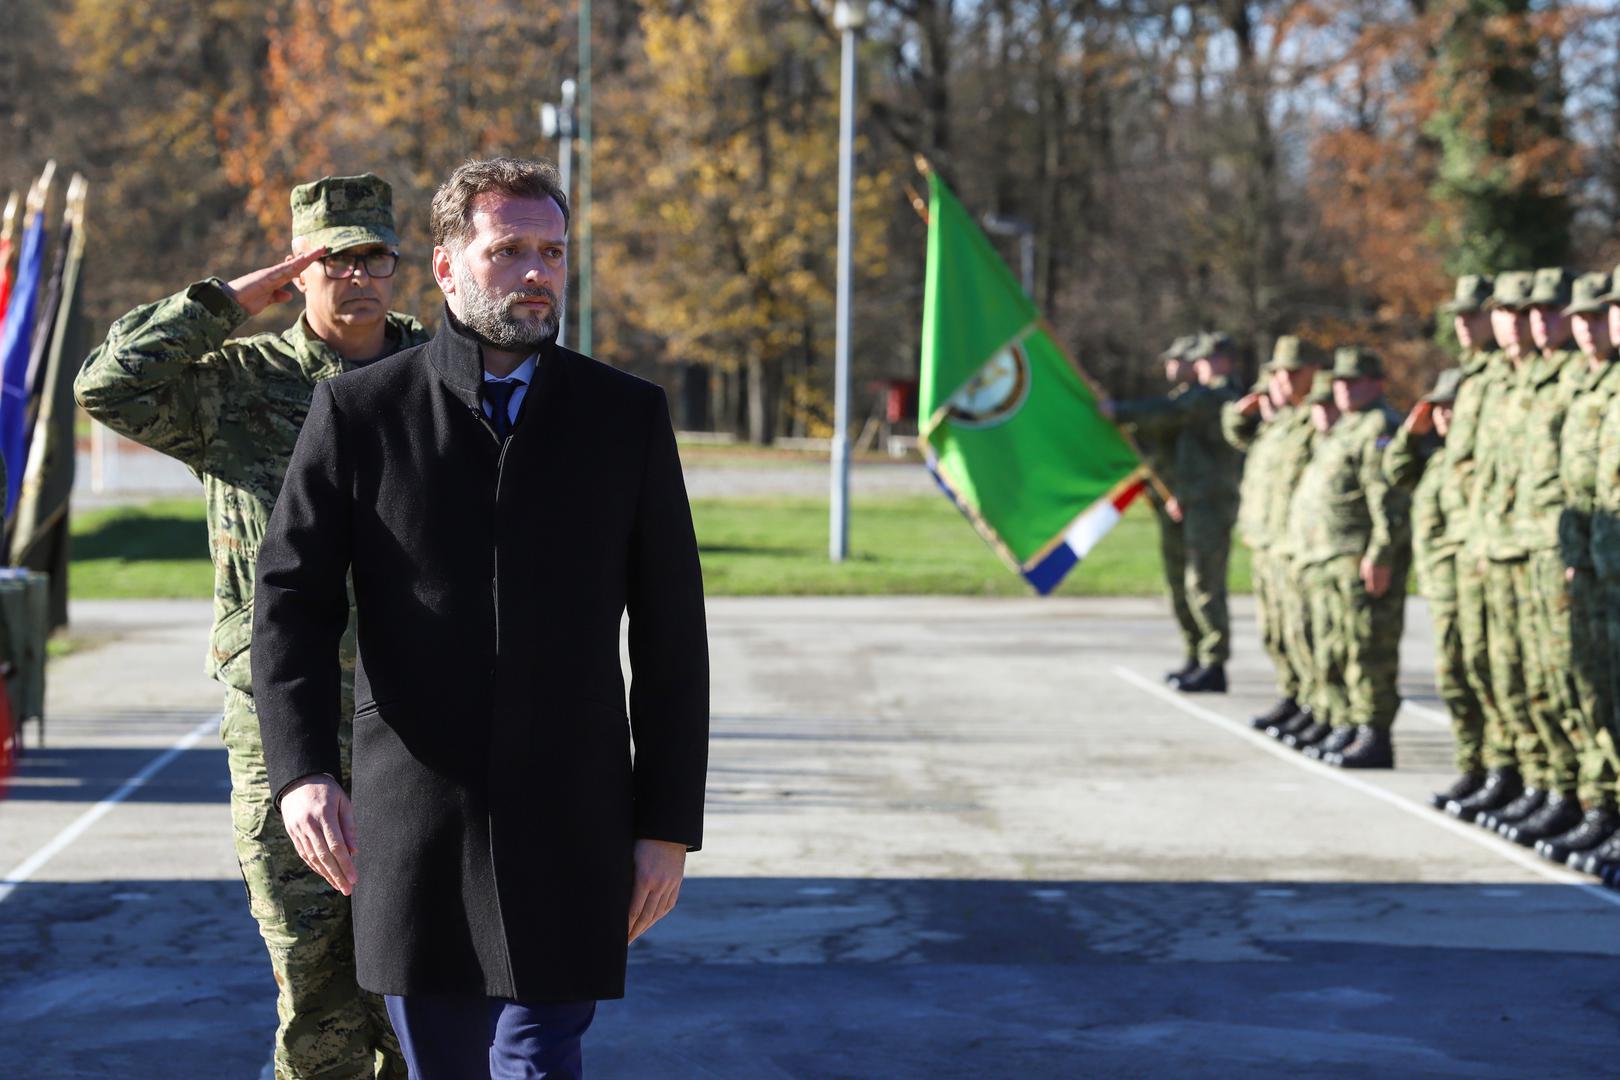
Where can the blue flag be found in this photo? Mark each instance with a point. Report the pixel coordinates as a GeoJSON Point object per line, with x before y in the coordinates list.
{"type": "Point", "coordinates": [16, 346]}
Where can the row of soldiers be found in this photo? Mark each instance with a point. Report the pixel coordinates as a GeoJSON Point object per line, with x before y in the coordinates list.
{"type": "Point", "coordinates": [1502, 486]}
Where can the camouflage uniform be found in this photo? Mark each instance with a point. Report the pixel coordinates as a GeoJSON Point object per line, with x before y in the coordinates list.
{"type": "Point", "coordinates": [1159, 451]}
{"type": "Point", "coordinates": [169, 377]}
{"type": "Point", "coordinates": [1276, 450]}
{"type": "Point", "coordinates": [1419, 464]}
{"type": "Point", "coordinates": [1295, 579]}
{"type": "Point", "coordinates": [1206, 474]}
{"type": "Point", "coordinates": [1345, 510]}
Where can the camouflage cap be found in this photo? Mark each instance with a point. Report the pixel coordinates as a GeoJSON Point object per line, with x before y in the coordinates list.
{"type": "Point", "coordinates": [1551, 288]}
{"type": "Point", "coordinates": [1473, 290]}
{"type": "Point", "coordinates": [1321, 389]}
{"type": "Point", "coordinates": [340, 212]}
{"type": "Point", "coordinates": [1179, 349]}
{"type": "Point", "coordinates": [1587, 296]}
{"type": "Point", "coordinates": [1511, 290]}
{"type": "Point", "coordinates": [1292, 354]}
{"type": "Point", "coordinates": [1210, 343]}
{"type": "Point", "coordinates": [1613, 295]}
{"type": "Point", "coordinates": [1445, 387]}
{"type": "Point", "coordinates": [1356, 362]}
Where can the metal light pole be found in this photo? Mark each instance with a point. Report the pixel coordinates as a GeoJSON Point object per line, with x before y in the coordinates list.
{"type": "Point", "coordinates": [586, 153]}
{"type": "Point", "coordinates": [849, 16]}
{"type": "Point", "coordinates": [997, 225]}
{"type": "Point", "coordinates": [557, 122]}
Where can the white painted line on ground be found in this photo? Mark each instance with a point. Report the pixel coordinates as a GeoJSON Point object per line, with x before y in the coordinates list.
{"type": "Point", "coordinates": [1433, 716]}
{"type": "Point", "coordinates": [31, 865]}
{"type": "Point", "coordinates": [1489, 841]}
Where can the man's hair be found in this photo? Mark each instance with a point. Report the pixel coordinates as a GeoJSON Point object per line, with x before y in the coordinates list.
{"type": "Point", "coordinates": [518, 178]}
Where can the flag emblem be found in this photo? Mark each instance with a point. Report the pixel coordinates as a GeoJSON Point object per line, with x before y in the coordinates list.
{"type": "Point", "coordinates": [995, 393]}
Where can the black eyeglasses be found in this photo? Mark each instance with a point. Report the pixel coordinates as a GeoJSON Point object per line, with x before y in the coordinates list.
{"type": "Point", "coordinates": [378, 264]}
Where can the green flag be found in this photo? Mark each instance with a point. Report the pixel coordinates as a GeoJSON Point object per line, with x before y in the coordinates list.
{"type": "Point", "coordinates": [1009, 427]}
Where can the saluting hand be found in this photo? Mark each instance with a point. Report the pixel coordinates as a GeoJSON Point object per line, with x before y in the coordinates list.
{"type": "Point", "coordinates": [1249, 404]}
{"type": "Point", "coordinates": [660, 866]}
{"type": "Point", "coordinates": [273, 284]}
{"type": "Point", "coordinates": [1420, 421]}
{"type": "Point", "coordinates": [320, 822]}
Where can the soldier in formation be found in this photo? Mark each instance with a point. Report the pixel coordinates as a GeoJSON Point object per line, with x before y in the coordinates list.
{"type": "Point", "coordinates": [171, 376]}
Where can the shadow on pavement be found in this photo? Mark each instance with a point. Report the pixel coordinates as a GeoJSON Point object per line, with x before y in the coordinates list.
{"type": "Point", "coordinates": [90, 774]}
{"type": "Point", "coordinates": [901, 978]}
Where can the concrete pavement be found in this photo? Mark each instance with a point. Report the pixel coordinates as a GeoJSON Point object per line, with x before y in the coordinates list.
{"type": "Point", "coordinates": [947, 838]}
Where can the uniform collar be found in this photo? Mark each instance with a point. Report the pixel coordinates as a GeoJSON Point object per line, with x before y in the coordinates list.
{"type": "Point", "coordinates": [319, 360]}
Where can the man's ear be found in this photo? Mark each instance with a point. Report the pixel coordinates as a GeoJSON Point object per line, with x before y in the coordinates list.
{"type": "Point", "coordinates": [441, 271]}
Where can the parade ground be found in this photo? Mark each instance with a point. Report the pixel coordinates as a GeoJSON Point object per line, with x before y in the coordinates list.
{"type": "Point", "coordinates": [946, 838]}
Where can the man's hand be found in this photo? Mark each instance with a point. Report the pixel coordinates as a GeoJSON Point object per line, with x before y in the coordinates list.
{"type": "Point", "coordinates": [1375, 577]}
{"type": "Point", "coordinates": [1172, 506]}
{"type": "Point", "coordinates": [659, 868]}
{"type": "Point", "coordinates": [320, 821]}
{"type": "Point", "coordinates": [1249, 404]}
{"type": "Point", "coordinates": [1420, 421]}
{"type": "Point", "coordinates": [272, 285]}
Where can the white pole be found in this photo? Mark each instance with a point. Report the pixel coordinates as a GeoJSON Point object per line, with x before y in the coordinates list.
{"type": "Point", "coordinates": [848, 16]}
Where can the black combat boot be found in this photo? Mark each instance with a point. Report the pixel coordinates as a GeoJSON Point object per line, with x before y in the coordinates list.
{"type": "Point", "coordinates": [1559, 814]}
{"type": "Point", "coordinates": [1593, 862]}
{"type": "Point", "coordinates": [1501, 787]}
{"type": "Point", "coordinates": [1280, 713]}
{"type": "Point", "coordinates": [1597, 826]}
{"type": "Point", "coordinates": [1174, 677]}
{"type": "Point", "coordinates": [1506, 817]}
{"type": "Point", "coordinates": [1206, 680]}
{"type": "Point", "coordinates": [1372, 748]}
{"type": "Point", "coordinates": [1462, 787]}
{"type": "Point", "coordinates": [1342, 736]}
{"type": "Point", "coordinates": [1309, 735]}
{"type": "Point", "coordinates": [1293, 725]}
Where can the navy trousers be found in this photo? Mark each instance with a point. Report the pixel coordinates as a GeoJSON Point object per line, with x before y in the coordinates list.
{"type": "Point", "coordinates": [455, 1037]}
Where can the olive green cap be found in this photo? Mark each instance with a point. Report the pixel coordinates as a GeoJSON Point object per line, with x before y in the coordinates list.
{"type": "Point", "coordinates": [1551, 288]}
{"type": "Point", "coordinates": [1473, 290]}
{"type": "Point", "coordinates": [1356, 362]}
{"type": "Point", "coordinates": [1613, 295]}
{"type": "Point", "coordinates": [1445, 387]}
{"type": "Point", "coordinates": [1180, 349]}
{"type": "Point", "coordinates": [1210, 344]}
{"type": "Point", "coordinates": [1321, 389]}
{"type": "Point", "coordinates": [1292, 354]}
{"type": "Point", "coordinates": [1587, 296]}
{"type": "Point", "coordinates": [338, 212]}
{"type": "Point", "coordinates": [1511, 290]}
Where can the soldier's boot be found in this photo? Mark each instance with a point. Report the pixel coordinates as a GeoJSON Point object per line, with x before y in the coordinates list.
{"type": "Point", "coordinates": [1593, 862]}
{"type": "Point", "coordinates": [1206, 680]}
{"type": "Point", "coordinates": [1293, 725]}
{"type": "Point", "coordinates": [1309, 735]}
{"type": "Point", "coordinates": [1504, 817]}
{"type": "Point", "coordinates": [1597, 825]}
{"type": "Point", "coordinates": [1372, 748]}
{"type": "Point", "coordinates": [1174, 677]}
{"type": "Point", "coordinates": [1341, 737]}
{"type": "Point", "coordinates": [1460, 789]}
{"type": "Point", "coordinates": [1559, 814]}
{"type": "Point", "coordinates": [1282, 712]}
{"type": "Point", "coordinates": [1501, 787]}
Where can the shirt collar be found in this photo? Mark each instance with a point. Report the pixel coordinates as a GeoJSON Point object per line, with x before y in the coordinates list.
{"type": "Point", "coordinates": [524, 373]}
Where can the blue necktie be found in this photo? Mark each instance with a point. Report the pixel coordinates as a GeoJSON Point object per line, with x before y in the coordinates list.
{"type": "Point", "coordinates": [498, 392]}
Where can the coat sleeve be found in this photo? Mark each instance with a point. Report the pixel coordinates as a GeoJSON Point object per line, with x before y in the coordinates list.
{"type": "Point", "coordinates": [669, 649]}
{"type": "Point", "coordinates": [301, 604]}
{"type": "Point", "coordinates": [158, 376]}
{"type": "Point", "coordinates": [1389, 507]}
{"type": "Point", "coordinates": [1238, 429]}
{"type": "Point", "coordinates": [1405, 459]}
{"type": "Point", "coordinates": [1158, 417]}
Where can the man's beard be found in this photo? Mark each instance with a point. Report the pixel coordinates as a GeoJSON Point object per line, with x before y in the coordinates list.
{"type": "Point", "coordinates": [489, 314]}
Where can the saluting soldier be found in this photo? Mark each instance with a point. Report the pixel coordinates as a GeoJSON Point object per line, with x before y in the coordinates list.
{"type": "Point", "coordinates": [1159, 449]}
{"type": "Point", "coordinates": [1277, 446]}
{"type": "Point", "coordinates": [1353, 536]}
{"type": "Point", "coordinates": [1605, 859]}
{"type": "Point", "coordinates": [171, 377]}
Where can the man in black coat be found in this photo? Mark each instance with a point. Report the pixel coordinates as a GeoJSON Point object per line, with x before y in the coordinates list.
{"type": "Point", "coordinates": [500, 502]}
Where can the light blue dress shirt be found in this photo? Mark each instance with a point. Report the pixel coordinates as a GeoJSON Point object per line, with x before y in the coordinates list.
{"type": "Point", "coordinates": [523, 376]}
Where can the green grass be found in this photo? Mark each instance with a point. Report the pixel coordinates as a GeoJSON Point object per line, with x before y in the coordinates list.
{"type": "Point", "coordinates": [913, 545]}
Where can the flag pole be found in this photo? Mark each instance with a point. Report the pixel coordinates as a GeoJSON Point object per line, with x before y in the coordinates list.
{"type": "Point", "coordinates": [920, 205]}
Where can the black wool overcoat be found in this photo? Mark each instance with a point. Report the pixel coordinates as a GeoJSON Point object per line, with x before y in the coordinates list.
{"type": "Point", "coordinates": [496, 798]}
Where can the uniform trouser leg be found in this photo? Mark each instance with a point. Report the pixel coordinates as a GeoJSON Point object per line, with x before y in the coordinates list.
{"type": "Point", "coordinates": [1504, 632]}
{"type": "Point", "coordinates": [1450, 668]}
{"type": "Point", "coordinates": [1544, 627]}
{"type": "Point", "coordinates": [1268, 605]}
{"type": "Point", "coordinates": [1173, 552]}
{"type": "Point", "coordinates": [1608, 599]}
{"type": "Point", "coordinates": [330, 1029]}
{"type": "Point", "coordinates": [1371, 627]}
{"type": "Point", "coordinates": [1328, 618]}
{"type": "Point", "coordinates": [1208, 531]}
{"type": "Point", "coordinates": [1296, 617]}
{"type": "Point", "coordinates": [1497, 751]}
{"type": "Point", "coordinates": [1594, 702]}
